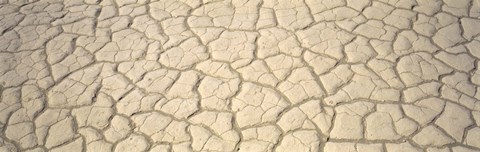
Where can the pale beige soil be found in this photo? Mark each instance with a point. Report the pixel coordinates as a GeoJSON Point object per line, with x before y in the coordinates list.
{"type": "Point", "coordinates": [240, 75]}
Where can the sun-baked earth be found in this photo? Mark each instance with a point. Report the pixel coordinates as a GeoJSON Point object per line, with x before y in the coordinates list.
{"type": "Point", "coordinates": [240, 75]}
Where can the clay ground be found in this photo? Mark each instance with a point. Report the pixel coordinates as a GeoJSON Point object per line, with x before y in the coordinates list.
{"type": "Point", "coordinates": [240, 75]}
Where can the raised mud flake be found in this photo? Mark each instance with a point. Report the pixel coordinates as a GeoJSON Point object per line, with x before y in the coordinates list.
{"type": "Point", "coordinates": [457, 8]}
{"type": "Point", "coordinates": [137, 101]}
{"type": "Point", "coordinates": [126, 45]}
{"type": "Point", "coordinates": [301, 140]}
{"type": "Point", "coordinates": [476, 116]}
{"type": "Point", "coordinates": [216, 93]}
{"type": "Point", "coordinates": [399, 147]}
{"type": "Point", "coordinates": [337, 14]}
{"type": "Point", "coordinates": [428, 7]}
{"type": "Point", "coordinates": [282, 65]}
{"type": "Point", "coordinates": [160, 148]}
{"type": "Point", "coordinates": [375, 29]}
{"type": "Point", "coordinates": [22, 133]}
{"type": "Point", "coordinates": [34, 37]}
{"type": "Point", "coordinates": [7, 146]}
{"type": "Point", "coordinates": [438, 149]}
{"type": "Point", "coordinates": [359, 50]}
{"type": "Point", "coordinates": [460, 82]}
{"type": "Point", "coordinates": [463, 149]}
{"type": "Point", "coordinates": [99, 145]}
{"type": "Point", "coordinates": [409, 41]}
{"type": "Point", "coordinates": [356, 4]}
{"type": "Point", "coordinates": [402, 19]}
{"type": "Point", "coordinates": [292, 15]}
{"type": "Point", "coordinates": [96, 115]}
{"type": "Point", "coordinates": [258, 71]}
{"type": "Point", "coordinates": [259, 139]}
{"type": "Point", "coordinates": [114, 24]}
{"type": "Point", "coordinates": [158, 81]}
{"type": "Point", "coordinates": [78, 59]}
{"type": "Point", "coordinates": [185, 86]}
{"type": "Point", "coordinates": [217, 69]}
{"type": "Point", "coordinates": [300, 85]}
{"type": "Point", "coordinates": [182, 99]}
{"type": "Point", "coordinates": [325, 38]}
{"type": "Point", "coordinates": [293, 119]}
{"type": "Point", "coordinates": [273, 41]}
{"type": "Point", "coordinates": [120, 128]}
{"type": "Point", "coordinates": [391, 122]}
{"type": "Point", "coordinates": [60, 132]}
{"type": "Point", "coordinates": [133, 142]}
{"type": "Point", "coordinates": [113, 83]}
{"type": "Point", "coordinates": [266, 18]}
{"type": "Point", "coordinates": [348, 120]}
{"type": "Point", "coordinates": [203, 139]}
{"type": "Point", "coordinates": [377, 10]}
{"type": "Point", "coordinates": [357, 147]}
{"type": "Point", "coordinates": [217, 14]}
{"type": "Point", "coordinates": [424, 111]}
{"type": "Point", "coordinates": [320, 64]}
{"type": "Point", "coordinates": [468, 26]}
{"type": "Point", "coordinates": [386, 71]}
{"type": "Point", "coordinates": [364, 84]}
{"type": "Point", "coordinates": [462, 62]}
{"type": "Point", "coordinates": [136, 70]}
{"type": "Point", "coordinates": [82, 27]}
{"type": "Point", "coordinates": [161, 10]}
{"type": "Point", "coordinates": [74, 146]}
{"type": "Point", "coordinates": [219, 122]}
{"type": "Point", "coordinates": [20, 105]}
{"type": "Point", "coordinates": [10, 102]}
{"type": "Point", "coordinates": [419, 67]}
{"type": "Point", "coordinates": [320, 115]}
{"type": "Point", "coordinates": [134, 10]}
{"type": "Point", "coordinates": [380, 126]}
{"type": "Point", "coordinates": [472, 137]}
{"type": "Point", "coordinates": [246, 14]}
{"type": "Point", "coordinates": [235, 47]}
{"type": "Point", "coordinates": [432, 136]}
{"type": "Point", "coordinates": [337, 77]}
{"type": "Point", "coordinates": [10, 41]}
{"type": "Point", "coordinates": [184, 56]}
{"type": "Point", "coordinates": [255, 105]}
{"type": "Point", "coordinates": [456, 96]}
{"type": "Point", "coordinates": [161, 128]}
{"type": "Point", "coordinates": [425, 25]}
{"type": "Point", "coordinates": [474, 47]}
{"type": "Point", "coordinates": [45, 120]}
{"type": "Point", "coordinates": [77, 89]}
{"type": "Point", "coordinates": [454, 120]}
{"type": "Point", "coordinates": [178, 107]}
{"type": "Point", "coordinates": [176, 31]}
{"type": "Point", "coordinates": [207, 34]}
{"type": "Point", "coordinates": [384, 50]}
{"type": "Point", "coordinates": [93, 43]}
{"type": "Point", "coordinates": [10, 18]}
{"type": "Point", "coordinates": [448, 36]}
{"type": "Point", "coordinates": [26, 67]}
{"type": "Point", "coordinates": [331, 146]}
{"type": "Point", "coordinates": [415, 93]}
{"type": "Point", "coordinates": [150, 27]}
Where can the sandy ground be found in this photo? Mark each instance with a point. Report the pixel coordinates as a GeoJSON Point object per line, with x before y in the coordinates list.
{"type": "Point", "coordinates": [240, 75]}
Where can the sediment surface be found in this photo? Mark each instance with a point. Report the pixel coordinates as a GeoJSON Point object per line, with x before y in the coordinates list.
{"type": "Point", "coordinates": [240, 75]}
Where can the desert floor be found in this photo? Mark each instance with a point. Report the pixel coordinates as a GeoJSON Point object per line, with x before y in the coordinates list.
{"type": "Point", "coordinates": [240, 75]}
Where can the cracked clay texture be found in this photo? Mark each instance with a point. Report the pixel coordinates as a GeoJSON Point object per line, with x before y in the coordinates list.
{"type": "Point", "coordinates": [239, 75]}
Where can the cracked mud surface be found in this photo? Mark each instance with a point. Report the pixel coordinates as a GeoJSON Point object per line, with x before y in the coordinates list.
{"type": "Point", "coordinates": [240, 75]}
